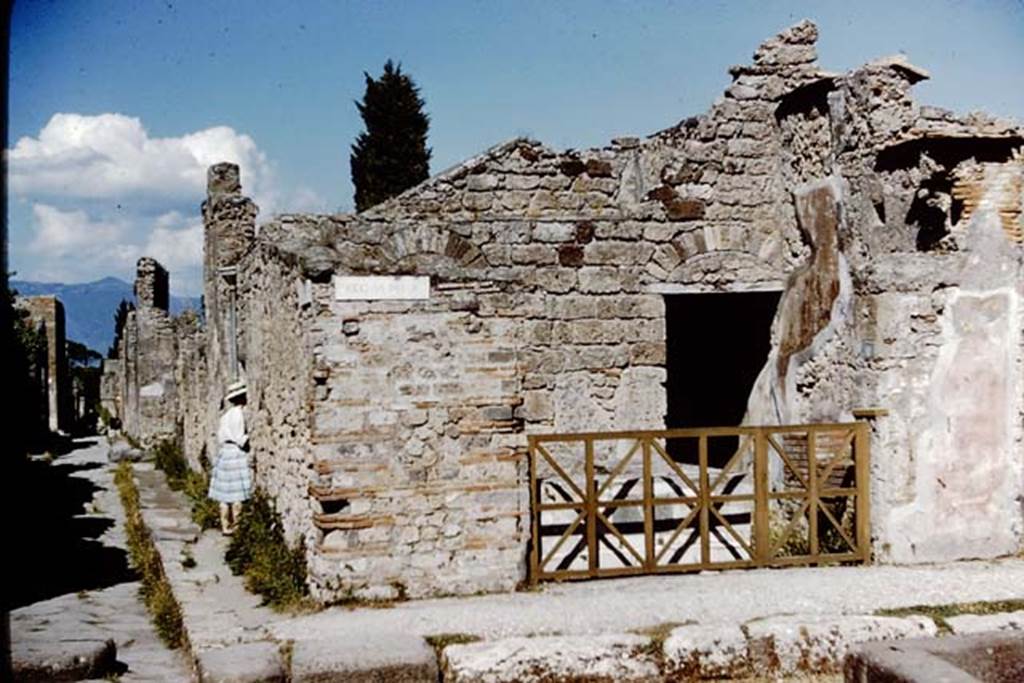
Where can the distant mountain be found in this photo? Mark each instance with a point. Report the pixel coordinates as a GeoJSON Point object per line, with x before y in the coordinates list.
{"type": "Point", "coordinates": [89, 307]}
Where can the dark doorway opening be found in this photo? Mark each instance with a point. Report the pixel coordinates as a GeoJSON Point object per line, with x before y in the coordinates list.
{"type": "Point", "coordinates": [716, 346]}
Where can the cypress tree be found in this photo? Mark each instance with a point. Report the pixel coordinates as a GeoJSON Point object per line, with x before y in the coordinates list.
{"type": "Point", "coordinates": [391, 155]}
{"type": "Point", "coordinates": [120, 318]}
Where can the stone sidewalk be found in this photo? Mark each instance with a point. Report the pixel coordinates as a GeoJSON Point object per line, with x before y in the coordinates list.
{"type": "Point", "coordinates": [226, 626]}
{"type": "Point", "coordinates": [772, 623]}
{"type": "Point", "coordinates": [760, 623]}
{"type": "Point", "coordinates": [87, 631]}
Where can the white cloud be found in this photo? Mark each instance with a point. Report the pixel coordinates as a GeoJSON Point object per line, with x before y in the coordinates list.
{"type": "Point", "coordinates": [79, 167]}
{"type": "Point", "coordinates": [69, 246]}
{"type": "Point", "coordinates": [177, 243]}
{"type": "Point", "coordinates": [59, 233]}
{"type": "Point", "coordinates": [112, 156]}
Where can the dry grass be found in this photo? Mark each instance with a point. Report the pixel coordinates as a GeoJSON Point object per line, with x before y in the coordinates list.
{"type": "Point", "coordinates": [940, 613]}
{"type": "Point", "coordinates": [156, 590]}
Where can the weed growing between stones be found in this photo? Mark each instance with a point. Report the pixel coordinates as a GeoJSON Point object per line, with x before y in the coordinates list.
{"type": "Point", "coordinates": [180, 477]}
{"type": "Point", "coordinates": [442, 640]}
{"type": "Point", "coordinates": [939, 613]}
{"type": "Point", "coordinates": [287, 649]}
{"type": "Point", "coordinates": [658, 634]}
{"type": "Point", "coordinates": [259, 552]}
{"type": "Point", "coordinates": [156, 590]}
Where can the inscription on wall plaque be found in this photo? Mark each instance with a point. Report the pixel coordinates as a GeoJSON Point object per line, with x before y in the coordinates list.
{"type": "Point", "coordinates": [381, 287]}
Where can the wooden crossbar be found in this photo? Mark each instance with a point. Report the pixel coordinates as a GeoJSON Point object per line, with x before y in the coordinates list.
{"type": "Point", "coordinates": [769, 520]}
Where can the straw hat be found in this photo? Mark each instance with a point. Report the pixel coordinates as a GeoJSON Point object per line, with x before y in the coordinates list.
{"type": "Point", "coordinates": [235, 389]}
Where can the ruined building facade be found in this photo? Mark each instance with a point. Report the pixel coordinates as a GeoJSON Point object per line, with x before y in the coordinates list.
{"type": "Point", "coordinates": [864, 249]}
{"type": "Point", "coordinates": [139, 387]}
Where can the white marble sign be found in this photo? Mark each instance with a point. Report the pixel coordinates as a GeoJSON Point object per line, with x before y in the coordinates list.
{"type": "Point", "coordinates": [381, 287]}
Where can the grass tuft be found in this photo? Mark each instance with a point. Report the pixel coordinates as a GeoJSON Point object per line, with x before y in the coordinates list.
{"type": "Point", "coordinates": [156, 590]}
{"type": "Point", "coordinates": [180, 477]}
{"type": "Point", "coordinates": [940, 613]}
{"type": "Point", "coordinates": [442, 640]}
{"type": "Point", "coordinates": [259, 552]}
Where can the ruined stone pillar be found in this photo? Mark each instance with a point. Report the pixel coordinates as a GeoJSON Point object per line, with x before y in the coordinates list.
{"type": "Point", "coordinates": [229, 222]}
{"type": "Point", "coordinates": [151, 285]}
{"type": "Point", "coordinates": [148, 353]}
{"type": "Point", "coordinates": [129, 378]}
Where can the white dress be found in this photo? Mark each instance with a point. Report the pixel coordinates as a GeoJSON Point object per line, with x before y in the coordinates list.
{"type": "Point", "coordinates": [231, 481]}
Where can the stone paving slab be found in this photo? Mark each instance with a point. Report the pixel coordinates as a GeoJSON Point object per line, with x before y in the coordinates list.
{"type": "Point", "coordinates": [63, 657]}
{"type": "Point", "coordinates": [791, 645]}
{"type": "Point", "coordinates": [378, 657]}
{"type": "Point", "coordinates": [966, 624]}
{"type": "Point", "coordinates": [217, 610]}
{"type": "Point", "coordinates": [992, 657]}
{"type": "Point", "coordinates": [623, 657]}
{"type": "Point", "coordinates": [243, 663]}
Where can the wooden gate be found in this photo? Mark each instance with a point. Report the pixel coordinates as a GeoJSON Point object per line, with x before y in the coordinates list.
{"type": "Point", "coordinates": [623, 503]}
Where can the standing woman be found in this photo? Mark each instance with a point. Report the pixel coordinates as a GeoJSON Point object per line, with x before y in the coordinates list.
{"type": "Point", "coordinates": [231, 482]}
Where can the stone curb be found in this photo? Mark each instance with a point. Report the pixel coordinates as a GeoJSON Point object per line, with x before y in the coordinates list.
{"type": "Point", "coordinates": [384, 656]}
{"type": "Point", "coordinates": [227, 628]}
{"type": "Point", "coordinates": [617, 657]}
{"type": "Point", "coordinates": [779, 646]}
{"type": "Point", "coordinates": [793, 645]}
{"type": "Point", "coordinates": [967, 624]}
{"type": "Point", "coordinates": [242, 663]}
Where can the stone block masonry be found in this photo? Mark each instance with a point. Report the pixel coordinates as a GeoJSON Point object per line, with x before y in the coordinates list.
{"type": "Point", "coordinates": [391, 434]}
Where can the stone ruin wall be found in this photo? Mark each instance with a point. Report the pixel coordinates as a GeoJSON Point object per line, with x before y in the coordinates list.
{"type": "Point", "coordinates": [47, 314]}
{"type": "Point", "coordinates": [142, 386]}
{"type": "Point", "coordinates": [277, 352]}
{"type": "Point", "coordinates": [205, 363]}
{"type": "Point", "coordinates": [194, 395]}
{"type": "Point", "coordinates": [391, 435]}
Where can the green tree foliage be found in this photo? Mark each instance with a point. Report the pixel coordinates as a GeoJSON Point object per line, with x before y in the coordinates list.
{"type": "Point", "coordinates": [120, 318]}
{"type": "Point", "coordinates": [84, 367]}
{"type": "Point", "coordinates": [81, 356]}
{"type": "Point", "coordinates": [391, 155]}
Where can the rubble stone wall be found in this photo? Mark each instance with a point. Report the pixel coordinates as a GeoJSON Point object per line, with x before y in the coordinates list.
{"type": "Point", "coordinates": [276, 352]}
{"type": "Point", "coordinates": [193, 393]}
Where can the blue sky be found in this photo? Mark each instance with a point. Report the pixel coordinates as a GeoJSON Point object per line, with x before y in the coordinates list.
{"type": "Point", "coordinates": [150, 92]}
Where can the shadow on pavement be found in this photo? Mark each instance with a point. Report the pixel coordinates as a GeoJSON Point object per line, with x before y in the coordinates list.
{"type": "Point", "coordinates": [53, 550]}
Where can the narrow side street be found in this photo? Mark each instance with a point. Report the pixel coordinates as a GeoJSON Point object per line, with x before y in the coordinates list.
{"type": "Point", "coordinates": [99, 627]}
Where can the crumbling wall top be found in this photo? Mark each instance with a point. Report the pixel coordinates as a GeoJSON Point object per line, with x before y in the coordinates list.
{"type": "Point", "coordinates": [223, 179]}
{"type": "Point", "coordinates": [152, 289]}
